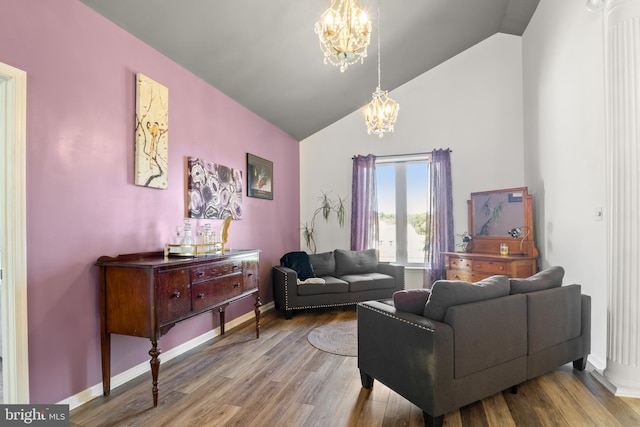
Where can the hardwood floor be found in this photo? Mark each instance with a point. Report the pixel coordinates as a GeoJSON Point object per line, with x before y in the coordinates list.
{"type": "Point", "coordinates": [281, 380]}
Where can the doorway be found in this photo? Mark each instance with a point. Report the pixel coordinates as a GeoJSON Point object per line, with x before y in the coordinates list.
{"type": "Point", "coordinates": [13, 236]}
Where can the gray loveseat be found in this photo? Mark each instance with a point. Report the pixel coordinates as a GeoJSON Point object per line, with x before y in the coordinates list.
{"type": "Point", "coordinates": [472, 340]}
{"type": "Point", "coordinates": [335, 278]}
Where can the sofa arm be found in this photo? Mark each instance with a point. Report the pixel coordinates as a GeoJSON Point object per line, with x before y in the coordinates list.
{"type": "Point", "coordinates": [410, 354]}
{"type": "Point", "coordinates": [581, 364]}
{"type": "Point", "coordinates": [395, 270]}
{"type": "Point", "coordinates": [285, 281]}
{"type": "Point", "coordinates": [586, 323]}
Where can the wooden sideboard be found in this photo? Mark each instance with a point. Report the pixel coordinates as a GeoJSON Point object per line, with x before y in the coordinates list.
{"type": "Point", "coordinates": [146, 294]}
{"type": "Point", "coordinates": [472, 267]}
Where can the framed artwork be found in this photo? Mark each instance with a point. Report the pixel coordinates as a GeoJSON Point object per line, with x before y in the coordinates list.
{"type": "Point", "coordinates": [259, 177]}
{"type": "Point", "coordinates": [215, 191]}
{"type": "Point", "coordinates": [152, 133]}
{"type": "Point", "coordinates": [515, 197]}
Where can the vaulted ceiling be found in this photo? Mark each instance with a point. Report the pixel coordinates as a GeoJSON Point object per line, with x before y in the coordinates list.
{"type": "Point", "coordinates": [265, 55]}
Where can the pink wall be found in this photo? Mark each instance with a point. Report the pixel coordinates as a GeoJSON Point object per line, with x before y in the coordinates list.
{"type": "Point", "coordinates": [81, 201]}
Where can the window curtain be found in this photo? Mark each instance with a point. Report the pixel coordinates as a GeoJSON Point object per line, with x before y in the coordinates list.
{"type": "Point", "coordinates": [440, 222]}
{"type": "Point", "coordinates": [364, 204]}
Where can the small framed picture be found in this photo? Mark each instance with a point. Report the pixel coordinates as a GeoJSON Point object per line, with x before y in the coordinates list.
{"type": "Point", "coordinates": [515, 197]}
{"type": "Point", "coordinates": [259, 177]}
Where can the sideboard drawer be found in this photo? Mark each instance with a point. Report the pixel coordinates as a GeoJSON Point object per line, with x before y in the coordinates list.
{"type": "Point", "coordinates": [466, 276]}
{"type": "Point", "coordinates": [472, 266]}
{"type": "Point", "coordinates": [459, 275]}
{"type": "Point", "coordinates": [215, 270]}
{"type": "Point", "coordinates": [173, 296]}
{"type": "Point", "coordinates": [250, 274]}
{"type": "Point", "coordinates": [211, 292]}
{"type": "Point", "coordinates": [494, 267]}
{"type": "Point", "coordinates": [460, 264]}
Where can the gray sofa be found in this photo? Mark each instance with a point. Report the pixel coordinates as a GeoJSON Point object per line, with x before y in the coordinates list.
{"type": "Point", "coordinates": [347, 277]}
{"type": "Point", "coordinates": [472, 340]}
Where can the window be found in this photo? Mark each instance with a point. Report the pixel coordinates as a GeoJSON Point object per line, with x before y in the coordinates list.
{"type": "Point", "coordinates": [403, 185]}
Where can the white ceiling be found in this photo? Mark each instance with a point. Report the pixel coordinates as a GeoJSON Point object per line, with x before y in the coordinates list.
{"type": "Point", "coordinates": [265, 54]}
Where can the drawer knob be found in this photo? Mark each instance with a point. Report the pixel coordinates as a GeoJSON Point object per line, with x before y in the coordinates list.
{"type": "Point", "coordinates": [201, 295]}
{"type": "Point", "coordinates": [236, 285]}
{"type": "Point", "coordinates": [250, 274]}
{"type": "Point", "coordinates": [176, 294]}
{"type": "Point", "coordinates": [200, 273]}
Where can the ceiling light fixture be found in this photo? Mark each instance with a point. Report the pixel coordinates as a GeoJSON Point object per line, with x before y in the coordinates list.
{"type": "Point", "coordinates": [344, 33]}
{"type": "Point", "coordinates": [381, 113]}
{"type": "Point", "coordinates": [593, 5]}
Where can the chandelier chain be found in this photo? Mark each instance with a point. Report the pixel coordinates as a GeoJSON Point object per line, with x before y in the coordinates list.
{"type": "Point", "coordinates": [381, 113]}
{"type": "Point", "coordinates": [378, 12]}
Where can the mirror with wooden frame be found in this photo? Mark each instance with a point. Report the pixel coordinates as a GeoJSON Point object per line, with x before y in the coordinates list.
{"type": "Point", "coordinates": [502, 217]}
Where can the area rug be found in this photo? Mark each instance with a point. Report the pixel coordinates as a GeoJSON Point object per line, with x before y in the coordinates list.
{"type": "Point", "coordinates": [338, 338]}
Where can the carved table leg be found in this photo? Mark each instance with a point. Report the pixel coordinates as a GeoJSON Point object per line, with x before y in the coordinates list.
{"type": "Point", "coordinates": [106, 363]}
{"type": "Point", "coordinates": [105, 337]}
{"type": "Point", "coordinates": [257, 311]}
{"type": "Point", "coordinates": [155, 367]}
{"type": "Point", "coordinates": [221, 311]}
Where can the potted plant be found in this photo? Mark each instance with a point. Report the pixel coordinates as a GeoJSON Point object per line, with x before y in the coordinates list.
{"type": "Point", "coordinates": [327, 205]}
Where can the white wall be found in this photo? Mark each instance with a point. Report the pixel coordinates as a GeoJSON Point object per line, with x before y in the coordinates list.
{"type": "Point", "coordinates": [471, 104]}
{"type": "Point", "coordinates": [564, 136]}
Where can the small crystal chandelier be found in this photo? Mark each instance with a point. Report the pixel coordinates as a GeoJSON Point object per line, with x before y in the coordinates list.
{"type": "Point", "coordinates": [344, 33]}
{"type": "Point", "coordinates": [381, 113]}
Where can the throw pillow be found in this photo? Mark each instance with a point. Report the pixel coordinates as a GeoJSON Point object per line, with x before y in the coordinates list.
{"type": "Point", "coordinates": [356, 262]}
{"type": "Point", "coordinates": [546, 279]}
{"type": "Point", "coordinates": [447, 293]}
{"type": "Point", "coordinates": [298, 262]}
{"type": "Point", "coordinates": [411, 300]}
{"type": "Point", "coordinates": [324, 264]}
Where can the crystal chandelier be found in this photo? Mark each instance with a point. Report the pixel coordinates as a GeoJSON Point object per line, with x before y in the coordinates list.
{"type": "Point", "coordinates": [381, 113]}
{"type": "Point", "coordinates": [344, 33]}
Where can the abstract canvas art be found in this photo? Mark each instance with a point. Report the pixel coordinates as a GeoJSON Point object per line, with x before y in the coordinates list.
{"type": "Point", "coordinates": [215, 191]}
{"type": "Point", "coordinates": [152, 133]}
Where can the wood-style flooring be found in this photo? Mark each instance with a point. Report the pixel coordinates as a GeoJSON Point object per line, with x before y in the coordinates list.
{"type": "Point", "coordinates": [281, 380]}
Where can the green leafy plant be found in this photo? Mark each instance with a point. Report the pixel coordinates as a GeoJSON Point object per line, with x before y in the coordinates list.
{"type": "Point", "coordinates": [327, 205]}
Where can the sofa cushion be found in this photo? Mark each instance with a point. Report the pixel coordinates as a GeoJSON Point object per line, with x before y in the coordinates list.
{"type": "Point", "coordinates": [488, 334]}
{"type": "Point", "coordinates": [411, 300]}
{"type": "Point", "coordinates": [447, 293]}
{"type": "Point", "coordinates": [369, 281]}
{"type": "Point", "coordinates": [300, 263]}
{"type": "Point", "coordinates": [554, 316]}
{"type": "Point", "coordinates": [332, 285]}
{"type": "Point", "coordinates": [324, 264]}
{"type": "Point", "coordinates": [355, 262]}
{"type": "Point", "coordinates": [546, 279]}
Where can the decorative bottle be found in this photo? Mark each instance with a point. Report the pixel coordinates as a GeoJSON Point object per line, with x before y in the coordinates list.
{"type": "Point", "coordinates": [188, 237]}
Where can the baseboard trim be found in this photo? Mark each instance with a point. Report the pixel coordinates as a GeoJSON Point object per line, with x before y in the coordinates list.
{"type": "Point", "coordinates": [616, 390]}
{"type": "Point", "coordinates": [91, 393]}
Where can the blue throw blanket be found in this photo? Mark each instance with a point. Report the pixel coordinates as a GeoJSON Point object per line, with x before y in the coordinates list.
{"type": "Point", "coordinates": [300, 263]}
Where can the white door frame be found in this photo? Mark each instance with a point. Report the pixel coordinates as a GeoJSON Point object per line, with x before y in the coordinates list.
{"type": "Point", "coordinates": [13, 247]}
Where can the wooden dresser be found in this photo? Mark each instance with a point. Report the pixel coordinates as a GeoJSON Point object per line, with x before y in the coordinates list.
{"type": "Point", "coordinates": [497, 218]}
{"type": "Point", "coordinates": [472, 267]}
{"type": "Point", "coordinates": [146, 294]}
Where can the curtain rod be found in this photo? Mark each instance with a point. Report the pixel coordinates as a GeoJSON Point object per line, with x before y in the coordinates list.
{"type": "Point", "coordinates": [406, 154]}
